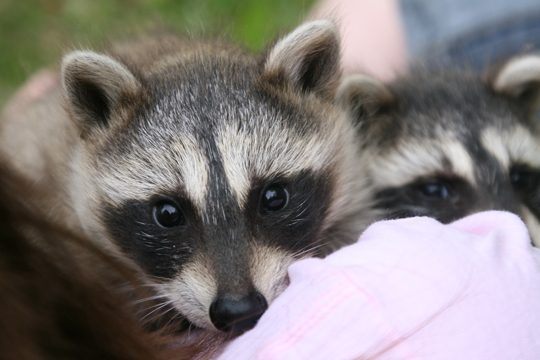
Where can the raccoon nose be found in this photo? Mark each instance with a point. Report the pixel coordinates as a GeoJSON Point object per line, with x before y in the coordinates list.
{"type": "Point", "coordinates": [236, 316]}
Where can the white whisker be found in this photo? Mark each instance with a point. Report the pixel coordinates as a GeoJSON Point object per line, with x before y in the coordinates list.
{"type": "Point", "coordinates": [159, 306]}
{"type": "Point", "coordinates": [150, 298]}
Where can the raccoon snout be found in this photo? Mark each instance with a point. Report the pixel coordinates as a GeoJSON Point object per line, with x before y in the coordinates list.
{"type": "Point", "coordinates": [237, 316]}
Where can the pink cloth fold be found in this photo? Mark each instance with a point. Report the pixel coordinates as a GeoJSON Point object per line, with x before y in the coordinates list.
{"type": "Point", "coordinates": [410, 289]}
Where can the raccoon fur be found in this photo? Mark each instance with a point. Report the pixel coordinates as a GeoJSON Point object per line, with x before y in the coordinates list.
{"type": "Point", "coordinates": [448, 143]}
{"type": "Point", "coordinates": [210, 168]}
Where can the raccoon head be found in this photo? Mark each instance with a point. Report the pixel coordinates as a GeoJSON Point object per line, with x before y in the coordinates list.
{"type": "Point", "coordinates": [448, 143]}
{"type": "Point", "coordinates": [214, 169]}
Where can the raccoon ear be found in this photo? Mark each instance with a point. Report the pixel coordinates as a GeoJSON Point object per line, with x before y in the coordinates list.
{"type": "Point", "coordinates": [95, 86]}
{"type": "Point", "coordinates": [362, 96]}
{"type": "Point", "coordinates": [520, 78]}
{"type": "Point", "coordinates": [308, 57]}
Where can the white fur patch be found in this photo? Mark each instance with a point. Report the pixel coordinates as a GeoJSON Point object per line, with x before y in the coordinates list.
{"type": "Point", "coordinates": [413, 159]}
{"type": "Point", "coordinates": [517, 74]}
{"type": "Point", "coordinates": [194, 170]}
{"type": "Point", "coordinates": [517, 145]}
{"type": "Point", "coordinates": [532, 224]}
{"type": "Point", "coordinates": [461, 161]}
{"type": "Point", "coordinates": [179, 163]}
{"type": "Point", "coordinates": [268, 268]}
{"type": "Point", "coordinates": [493, 142]}
{"type": "Point", "coordinates": [193, 292]}
{"type": "Point", "coordinates": [523, 146]}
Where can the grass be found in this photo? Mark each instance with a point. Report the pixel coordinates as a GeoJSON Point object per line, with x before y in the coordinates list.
{"type": "Point", "coordinates": [35, 33]}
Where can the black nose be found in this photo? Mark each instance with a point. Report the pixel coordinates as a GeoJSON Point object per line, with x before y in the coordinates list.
{"type": "Point", "coordinates": [236, 316]}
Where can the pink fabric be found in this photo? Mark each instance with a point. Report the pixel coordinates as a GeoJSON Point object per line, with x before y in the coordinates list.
{"type": "Point", "coordinates": [410, 289]}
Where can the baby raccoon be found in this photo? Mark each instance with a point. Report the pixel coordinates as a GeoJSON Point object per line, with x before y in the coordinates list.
{"type": "Point", "coordinates": [448, 143]}
{"type": "Point", "coordinates": [211, 168]}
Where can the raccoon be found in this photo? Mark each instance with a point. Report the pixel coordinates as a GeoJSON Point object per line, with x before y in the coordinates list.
{"type": "Point", "coordinates": [447, 143]}
{"type": "Point", "coordinates": [210, 168]}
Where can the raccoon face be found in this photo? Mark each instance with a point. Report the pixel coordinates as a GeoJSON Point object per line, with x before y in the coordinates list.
{"type": "Point", "coordinates": [447, 144]}
{"type": "Point", "coordinates": [214, 170]}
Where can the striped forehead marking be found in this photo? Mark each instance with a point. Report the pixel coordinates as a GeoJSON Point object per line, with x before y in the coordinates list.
{"type": "Point", "coordinates": [516, 145]}
{"type": "Point", "coordinates": [159, 168]}
{"type": "Point", "coordinates": [422, 157]}
{"type": "Point", "coordinates": [268, 153]}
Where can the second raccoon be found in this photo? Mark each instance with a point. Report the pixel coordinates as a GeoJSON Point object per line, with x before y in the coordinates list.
{"type": "Point", "coordinates": [448, 143]}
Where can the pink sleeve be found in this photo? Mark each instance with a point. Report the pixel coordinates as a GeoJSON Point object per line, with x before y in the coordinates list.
{"type": "Point", "coordinates": [410, 289]}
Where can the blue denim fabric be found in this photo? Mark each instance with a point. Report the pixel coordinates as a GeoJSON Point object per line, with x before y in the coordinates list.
{"type": "Point", "coordinates": [473, 32]}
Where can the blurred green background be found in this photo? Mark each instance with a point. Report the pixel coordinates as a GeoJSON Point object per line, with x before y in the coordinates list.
{"type": "Point", "coordinates": [35, 33]}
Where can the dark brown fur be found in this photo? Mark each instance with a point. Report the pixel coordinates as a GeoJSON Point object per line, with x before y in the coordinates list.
{"type": "Point", "coordinates": [53, 307]}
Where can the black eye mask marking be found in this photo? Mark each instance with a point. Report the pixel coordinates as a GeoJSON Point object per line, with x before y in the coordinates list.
{"type": "Point", "coordinates": [289, 212]}
{"type": "Point", "coordinates": [435, 191]}
{"type": "Point", "coordinates": [159, 234]}
{"type": "Point", "coordinates": [443, 198]}
{"type": "Point", "coordinates": [525, 181]}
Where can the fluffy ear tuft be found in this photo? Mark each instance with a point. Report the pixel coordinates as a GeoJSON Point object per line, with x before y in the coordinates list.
{"type": "Point", "coordinates": [308, 57]}
{"type": "Point", "coordinates": [363, 95]}
{"type": "Point", "coordinates": [519, 78]}
{"type": "Point", "coordinates": [95, 86]}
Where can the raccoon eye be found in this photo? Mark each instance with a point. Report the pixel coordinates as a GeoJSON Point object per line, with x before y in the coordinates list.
{"type": "Point", "coordinates": [434, 191]}
{"type": "Point", "coordinates": [522, 180]}
{"type": "Point", "coordinates": [274, 198]}
{"type": "Point", "coordinates": [168, 215]}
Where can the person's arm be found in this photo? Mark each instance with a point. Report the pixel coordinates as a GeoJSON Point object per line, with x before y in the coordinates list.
{"type": "Point", "coordinates": [373, 36]}
{"type": "Point", "coordinates": [409, 289]}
